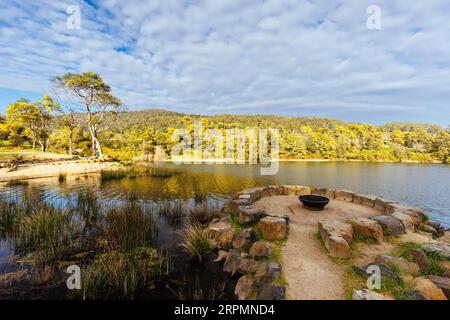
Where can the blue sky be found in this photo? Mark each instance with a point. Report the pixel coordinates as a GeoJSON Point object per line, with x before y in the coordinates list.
{"type": "Point", "coordinates": [287, 57]}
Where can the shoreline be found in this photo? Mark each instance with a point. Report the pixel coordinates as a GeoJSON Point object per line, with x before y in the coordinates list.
{"type": "Point", "coordinates": [229, 161]}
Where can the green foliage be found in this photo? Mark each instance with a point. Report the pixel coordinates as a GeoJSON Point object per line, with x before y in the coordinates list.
{"type": "Point", "coordinates": [195, 241]}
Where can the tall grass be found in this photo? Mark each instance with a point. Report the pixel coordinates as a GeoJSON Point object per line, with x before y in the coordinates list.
{"type": "Point", "coordinates": [123, 275]}
{"type": "Point", "coordinates": [163, 172]}
{"type": "Point", "coordinates": [87, 206]}
{"type": "Point", "coordinates": [49, 231]}
{"type": "Point", "coordinates": [136, 171]}
{"type": "Point", "coordinates": [9, 210]}
{"type": "Point", "coordinates": [130, 226]}
{"type": "Point", "coordinates": [195, 241]}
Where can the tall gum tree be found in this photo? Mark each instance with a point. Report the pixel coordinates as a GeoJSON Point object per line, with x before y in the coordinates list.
{"type": "Point", "coordinates": [94, 100]}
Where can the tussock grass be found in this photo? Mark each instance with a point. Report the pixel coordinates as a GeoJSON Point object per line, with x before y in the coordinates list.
{"type": "Point", "coordinates": [195, 241]}
{"type": "Point", "coordinates": [50, 231]}
{"type": "Point", "coordinates": [9, 211]}
{"type": "Point", "coordinates": [435, 257]}
{"type": "Point", "coordinates": [129, 226]}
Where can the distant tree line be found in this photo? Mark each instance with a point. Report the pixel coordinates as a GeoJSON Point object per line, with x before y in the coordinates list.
{"type": "Point", "coordinates": [94, 123]}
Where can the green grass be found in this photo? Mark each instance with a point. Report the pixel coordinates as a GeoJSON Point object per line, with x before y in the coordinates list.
{"type": "Point", "coordinates": [433, 256]}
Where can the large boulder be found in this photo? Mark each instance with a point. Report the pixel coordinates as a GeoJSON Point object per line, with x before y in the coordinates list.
{"type": "Point", "coordinates": [408, 221]}
{"type": "Point", "coordinates": [247, 265]}
{"type": "Point", "coordinates": [217, 227]}
{"type": "Point", "coordinates": [344, 195]}
{"type": "Point", "coordinates": [249, 214]}
{"type": "Point", "coordinates": [441, 282]}
{"type": "Point", "coordinates": [324, 192]}
{"type": "Point", "coordinates": [366, 294]}
{"type": "Point", "coordinates": [441, 248]}
{"type": "Point", "coordinates": [289, 190]}
{"type": "Point", "coordinates": [335, 227]}
{"type": "Point", "coordinates": [260, 249]}
{"type": "Point", "coordinates": [365, 199]}
{"type": "Point", "coordinates": [390, 225]}
{"type": "Point", "coordinates": [268, 272]}
{"type": "Point", "coordinates": [338, 247]}
{"type": "Point", "coordinates": [414, 212]}
{"type": "Point", "coordinates": [273, 228]}
{"type": "Point", "coordinates": [440, 230]}
{"type": "Point", "coordinates": [404, 265]}
{"type": "Point", "coordinates": [267, 291]}
{"type": "Point", "coordinates": [232, 261]}
{"type": "Point", "coordinates": [245, 287]}
{"type": "Point", "coordinates": [251, 195]}
{"type": "Point", "coordinates": [381, 203]}
{"type": "Point", "coordinates": [367, 228]}
{"type": "Point", "coordinates": [276, 190]}
{"type": "Point", "coordinates": [244, 239]}
{"type": "Point", "coordinates": [386, 272]}
{"type": "Point", "coordinates": [428, 289]}
{"type": "Point", "coordinates": [419, 257]}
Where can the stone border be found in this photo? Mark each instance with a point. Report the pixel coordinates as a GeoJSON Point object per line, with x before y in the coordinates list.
{"type": "Point", "coordinates": [337, 236]}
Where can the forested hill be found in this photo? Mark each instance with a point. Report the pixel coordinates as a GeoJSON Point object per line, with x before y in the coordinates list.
{"type": "Point", "coordinates": [138, 132]}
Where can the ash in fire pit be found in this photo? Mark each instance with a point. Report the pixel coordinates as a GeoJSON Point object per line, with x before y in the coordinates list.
{"type": "Point", "coordinates": [313, 202]}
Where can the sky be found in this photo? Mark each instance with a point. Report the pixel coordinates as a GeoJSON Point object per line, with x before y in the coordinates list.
{"type": "Point", "coordinates": [285, 57]}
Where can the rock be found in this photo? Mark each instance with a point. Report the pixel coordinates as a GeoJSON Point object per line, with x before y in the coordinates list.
{"type": "Point", "coordinates": [217, 227]}
{"type": "Point", "coordinates": [251, 195]}
{"type": "Point", "coordinates": [273, 228]}
{"type": "Point", "coordinates": [407, 221]}
{"type": "Point", "coordinates": [442, 248]}
{"type": "Point", "coordinates": [344, 195]}
{"type": "Point", "coordinates": [296, 190]}
{"type": "Point", "coordinates": [428, 229]}
{"type": "Point", "coordinates": [381, 203]}
{"type": "Point", "coordinates": [324, 192]}
{"type": "Point", "coordinates": [386, 272]}
{"type": "Point", "coordinates": [225, 240]}
{"type": "Point", "coordinates": [440, 231]}
{"type": "Point", "coordinates": [222, 255]}
{"type": "Point", "coordinates": [245, 287]}
{"type": "Point", "coordinates": [404, 265]}
{"type": "Point", "coordinates": [342, 229]}
{"type": "Point", "coordinates": [414, 295]}
{"type": "Point", "coordinates": [276, 190]}
{"type": "Point", "coordinates": [419, 257]}
{"type": "Point", "coordinates": [233, 205]}
{"type": "Point", "coordinates": [268, 271]}
{"type": "Point", "coordinates": [428, 289]}
{"type": "Point", "coordinates": [249, 214]}
{"type": "Point", "coordinates": [268, 291]}
{"type": "Point", "coordinates": [390, 225]}
{"type": "Point", "coordinates": [441, 282]}
{"type": "Point", "coordinates": [260, 249]}
{"type": "Point", "coordinates": [365, 200]}
{"type": "Point", "coordinates": [244, 239]}
{"type": "Point", "coordinates": [367, 228]}
{"type": "Point", "coordinates": [445, 266]}
{"type": "Point", "coordinates": [445, 237]}
{"type": "Point", "coordinates": [232, 261]}
{"type": "Point", "coordinates": [414, 212]}
{"type": "Point", "coordinates": [366, 294]}
{"type": "Point", "coordinates": [247, 265]}
{"type": "Point", "coordinates": [338, 247]}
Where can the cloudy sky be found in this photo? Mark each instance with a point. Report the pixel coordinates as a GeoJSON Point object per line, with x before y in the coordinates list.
{"type": "Point", "coordinates": [287, 57]}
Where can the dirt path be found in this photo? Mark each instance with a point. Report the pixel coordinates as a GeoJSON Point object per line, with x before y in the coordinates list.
{"type": "Point", "coordinates": [310, 273]}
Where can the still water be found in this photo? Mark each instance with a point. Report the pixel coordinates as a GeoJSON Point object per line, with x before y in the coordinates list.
{"type": "Point", "coordinates": [426, 186]}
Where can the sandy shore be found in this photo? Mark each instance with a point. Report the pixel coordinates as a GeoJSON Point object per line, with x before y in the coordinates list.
{"type": "Point", "coordinates": [31, 171]}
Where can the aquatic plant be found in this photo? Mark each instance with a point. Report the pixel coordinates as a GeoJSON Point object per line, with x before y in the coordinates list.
{"type": "Point", "coordinates": [16, 182]}
{"type": "Point", "coordinates": [173, 210]}
{"type": "Point", "coordinates": [195, 241]}
{"type": "Point", "coordinates": [159, 172]}
{"type": "Point", "coordinates": [123, 275]}
{"type": "Point", "coordinates": [129, 226]}
{"type": "Point", "coordinates": [49, 231]}
{"type": "Point", "coordinates": [87, 206]}
{"type": "Point", "coordinates": [9, 210]}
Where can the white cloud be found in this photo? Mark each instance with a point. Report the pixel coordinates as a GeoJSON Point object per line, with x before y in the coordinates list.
{"type": "Point", "coordinates": [287, 57]}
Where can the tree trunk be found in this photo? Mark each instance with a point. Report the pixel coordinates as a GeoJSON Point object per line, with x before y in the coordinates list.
{"type": "Point", "coordinates": [96, 148]}
{"type": "Point", "coordinates": [71, 143]}
{"type": "Point", "coordinates": [34, 139]}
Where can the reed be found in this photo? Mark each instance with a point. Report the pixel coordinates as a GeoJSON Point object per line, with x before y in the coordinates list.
{"type": "Point", "coordinates": [49, 231]}
{"type": "Point", "coordinates": [130, 226]}
{"type": "Point", "coordinates": [9, 210]}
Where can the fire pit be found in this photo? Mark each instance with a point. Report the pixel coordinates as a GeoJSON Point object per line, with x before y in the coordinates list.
{"type": "Point", "coordinates": [313, 202]}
